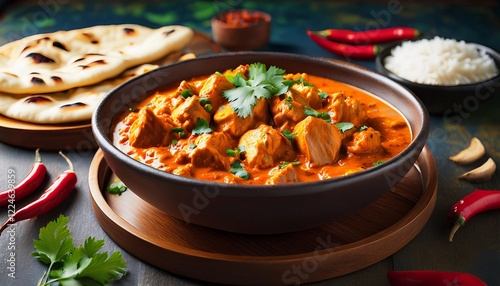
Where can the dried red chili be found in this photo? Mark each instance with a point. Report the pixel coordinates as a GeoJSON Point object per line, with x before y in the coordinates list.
{"type": "Point", "coordinates": [28, 185]}
{"type": "Point", "coordinates": [375, 36]}
{"type": "Point", "coordinates": [470, 205]}
{"type": "Point", "coordinates": [349, 51]}
{"type": "Point", "coordinates": [432, 278]}
{"type": "Point", "coordinates": [56, 193]}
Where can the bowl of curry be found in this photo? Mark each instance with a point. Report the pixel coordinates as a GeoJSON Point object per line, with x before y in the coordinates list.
{"type": "Point", "coordinates": [260, 142]}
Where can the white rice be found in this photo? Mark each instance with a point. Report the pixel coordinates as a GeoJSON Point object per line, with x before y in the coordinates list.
{"type": "Point", "coordinates": [440, 61]}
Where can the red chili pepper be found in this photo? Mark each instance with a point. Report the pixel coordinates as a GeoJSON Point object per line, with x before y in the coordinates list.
{"type": "Point", "coordinates": [432, 278]}
{"type": "Point", "coordinates": [349, 51]}
{"type": "Point", "coordinates": [56, 193]}
{"type": "Point", "coordinates": [376, 36]}
{"type": "Point", "coordinates": [470, 205]}
{"type": "Point", "coordinates": [29, 184]}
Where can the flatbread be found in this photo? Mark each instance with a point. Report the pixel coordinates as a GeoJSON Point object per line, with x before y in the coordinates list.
{"type": "Point", "coordinates": [72, 105]}
{"type": "Point", "coordinates": [62, 60]}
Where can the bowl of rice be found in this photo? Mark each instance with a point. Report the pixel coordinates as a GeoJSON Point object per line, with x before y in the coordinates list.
{"type": "Point", "coordinates": [446, 74]}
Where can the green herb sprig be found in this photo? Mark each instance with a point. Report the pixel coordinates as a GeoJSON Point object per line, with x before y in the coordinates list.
{"type": "Point", "coordinates": [70, 265]}
{"type": "Point", "coordinates": [261, 83]}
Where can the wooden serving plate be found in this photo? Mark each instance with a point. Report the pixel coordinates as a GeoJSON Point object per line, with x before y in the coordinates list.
{"type": "Point", "coordinates": [340, 247]}
{"type": "Point", "coordinates": [78, 136]}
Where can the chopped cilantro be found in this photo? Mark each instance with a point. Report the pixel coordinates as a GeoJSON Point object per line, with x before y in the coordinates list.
{"type": "Point", "coordinates": [284, 164]}
{"type": "Point", "coordinates": [289, 101]}
{"type": "Point", "coordinates": [238, 170]}
{"type": "Point", "coordinates": [377, 163]}
{"type": "Point", "coordinates": [300, 80]}
{"type": "Point", "coordinates": [186, 93]}
{"type": "Point", "coordinates": [208, 107]}
{"type": "Point", "coordinates": [177, 129]}
{"type": "Point", "coordinates": [261, 83]}
{"type": "Point", "coordinates": [218, 73]}
{"type": "Point", "coordinates": [70, 265]}
{"type": "Point", "coordinates": [344, 126]}
{"type": "Point", "coordinates": [289, 135]}
{"type": "Point", "coordinates": [322, 94]}
{"type": "Point", "coordinates": [201, 127]}
{"type": "Point", "coordinates": [323, 115]}
{"type": "Point", "coordinates": [235, 152]}
{"type": "Point", "coordinates": [117, 188]}
{"type": "Point", "coordinates": [204, 101]}
{"type": "Point", "coordinates": [364, 127]}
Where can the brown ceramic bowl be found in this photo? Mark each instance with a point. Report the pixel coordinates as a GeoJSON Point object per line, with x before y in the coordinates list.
{"type": "Point", "coordinates": [451, 99]}
{"type": "Point", "coordinates": [241, 30]}
{"type": "Point", "coordinates": [265, 209]}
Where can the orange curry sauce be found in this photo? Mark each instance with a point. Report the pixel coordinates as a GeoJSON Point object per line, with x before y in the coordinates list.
{"type": "Point", "coordinates": [393, 128]}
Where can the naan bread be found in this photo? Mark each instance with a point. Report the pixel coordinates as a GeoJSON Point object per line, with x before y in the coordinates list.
{"type": "Point", "coordinates": [67, 59]}
{"type": "Point", "coordinates": [72, 105]}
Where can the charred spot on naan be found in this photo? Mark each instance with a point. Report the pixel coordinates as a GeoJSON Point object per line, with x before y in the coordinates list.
{"type": "Point", "coordinates": [37, 80]}
{"type": "Point", "coordinates": [56, 79]}
{"type": "Point", "coordinates": [129, 31]}
{"type": "Point", "coordinates": [167, 33]}
{"type": "Point", "coordinates": [94, 63]}
{"type": "Point", "coordinates": [37, 99]}
{"type": "Point", "coordinates": [91, 38]}
{"type": "Point", "coordinates": [59, 45]}
{"type": "Point", "coordinates": [38, 58]}
{"type": "Point", "coordinates": [76, 105]}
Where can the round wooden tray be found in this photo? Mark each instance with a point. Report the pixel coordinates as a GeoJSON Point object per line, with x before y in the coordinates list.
{"type": "Point", "coordinates": [78, 136]}
{"type": "Point", "coordinates": [340, 247]}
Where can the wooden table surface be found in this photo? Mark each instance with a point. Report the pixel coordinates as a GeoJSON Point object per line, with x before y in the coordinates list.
{"type": "Point", "coordinates": [476, 248]}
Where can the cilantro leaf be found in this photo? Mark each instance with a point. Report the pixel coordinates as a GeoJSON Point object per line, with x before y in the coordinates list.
{"type": "Point", "coordinates": [289, 135]}
{"type": "Point", "coordinates": [55, 241]}
{"type": "Point", "coordinates": [374, 164]}
{"type": "Point", "coordinates": [322, 94]}
{"type": "Point", "coordinates": [314, 113]}
{"type": "Point", "coordinates": [364, 127]}
{"type": "Point", "coordinates": [201, 127]}
{"type": "Point", "coordinates": [83, 265]}
{"type": "Point", "coordinates": [344, 126]}
{"type": "Point", "coordinates": [261, 83]}
{"type": "Point", "coordinates": [117, 188]}
{"type": "Point", "coordinates": [284, 164]}
{"type": "Point", "coordinates": [238, 170]}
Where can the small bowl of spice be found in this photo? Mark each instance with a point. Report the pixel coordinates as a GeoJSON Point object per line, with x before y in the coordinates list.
{"type": "Point", "coordinates": [241, 29]}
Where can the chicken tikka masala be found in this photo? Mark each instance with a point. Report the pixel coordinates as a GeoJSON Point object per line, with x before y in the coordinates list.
{"type": "Point", "coordinates": [259, 125]}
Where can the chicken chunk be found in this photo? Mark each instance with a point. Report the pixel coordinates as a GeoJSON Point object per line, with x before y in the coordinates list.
{"type": "Point", "coordinates": [210, 151]}
{"type": "Point", "coordinates": [188, 112]}
{"type": "Point", "coordinates": [318, 140]}
{"type": "Point", "coordinates": [310, 93]}
{"type": "Point", "coordinates": [366, 141]}
{"type": "Point", "coordinates": [288, 109]}
{"type": "Point", "coordinates": [149, 131]}
{"type": "Point", "coordinates": [282, 175]}
{"type": "Point", "coordinates": [164, 104]}
{"type": "Point", "coordinates": [213, 88]}
{"type": "Point", "coordinates": [347, 109]}
{"type": "Point", "coordinates": [227, 120]}
{"type": "Point", "coordinates": [265, 147]}
{"type": "Point", "coordinates": [185, 85]}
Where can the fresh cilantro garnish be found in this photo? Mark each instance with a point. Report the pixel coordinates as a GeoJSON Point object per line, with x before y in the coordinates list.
{"type": "Point", "coordinates": [322, 94]}
{"type": "Point", "coordinates": [377, 163]}
{"type": "Point", "coordinates": [261, 83]}
{"type": "Point", "coordinates": [284, 164]}
{"type": "Point", "coordinates": [117, 188]}
{"type": "Point", "coordinates": [289, 135]}
{"type": "Point", "coordinates": [70, 265]}
{"type": "Point", "coordinates": [186, 93]}
{"type": "Point", "coordinates": [177, 129]}
{"type": "Point", "coordinates": [300, 80]}
{"type": "Point", "coordinates": [206, 103]}
{"type": "Point", "coordinates": [364, 127]}
{"type": "Point", "coordinates": [238, 170]}
{"type": "Point", "coordinates": [235, 152]}
{"type": "Point", "coordinates": [289, 101]}
{"type": "Point", "coordinates": [201, 127]}
{"type": "Point", "coordinates": [314, 113]}
{"type": "Point", "coordinates": [344, 126]}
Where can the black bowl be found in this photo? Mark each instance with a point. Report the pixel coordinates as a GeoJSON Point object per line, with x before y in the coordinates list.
{"type": "Point", "coordinates": [440, 99]}
{"type": "Point", "coordinates": [262, 209]}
